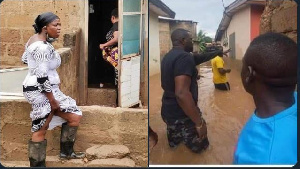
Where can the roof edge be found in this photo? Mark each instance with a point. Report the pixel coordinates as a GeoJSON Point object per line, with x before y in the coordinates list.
{"type": "Point", "coordinates": [163, 7]}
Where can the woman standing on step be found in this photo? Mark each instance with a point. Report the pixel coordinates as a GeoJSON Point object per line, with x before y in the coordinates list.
{"type": "Point", "coordinates": [50, 107]}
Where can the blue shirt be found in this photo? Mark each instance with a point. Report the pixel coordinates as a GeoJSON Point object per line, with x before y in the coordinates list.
{"type": "Point", "coordinates": [271, 140]}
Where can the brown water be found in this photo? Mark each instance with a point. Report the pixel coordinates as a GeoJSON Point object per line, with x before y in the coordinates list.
{"type": "Point", "coordinates": [224, 111]}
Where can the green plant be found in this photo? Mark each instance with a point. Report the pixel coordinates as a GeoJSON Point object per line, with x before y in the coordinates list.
{"type": "Point", "coordinates": [202, 39]}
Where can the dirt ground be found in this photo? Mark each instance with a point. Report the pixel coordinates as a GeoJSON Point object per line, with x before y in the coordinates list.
{"type": "Point", "coordinates": [224, 112]}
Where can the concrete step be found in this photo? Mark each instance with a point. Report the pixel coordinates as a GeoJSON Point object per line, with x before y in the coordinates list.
{"type": "Point", "coordinates": [107, 151]}
{"type": "Point", "coordinates": [54, 161]}
{"type": "Point", "coordinates": [102, 97]}
{"type": "Point", "coordinates": [99, 126]}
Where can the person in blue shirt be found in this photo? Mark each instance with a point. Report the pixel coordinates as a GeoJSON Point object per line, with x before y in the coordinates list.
{"type": "Point", "coordinates": [269, 74]}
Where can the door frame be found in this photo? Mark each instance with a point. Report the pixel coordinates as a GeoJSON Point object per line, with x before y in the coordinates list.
{"type": "Point", "coordinates": [128, 56]}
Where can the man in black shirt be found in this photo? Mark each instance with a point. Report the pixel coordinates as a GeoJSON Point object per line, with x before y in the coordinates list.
{"type": "Point", "coordinates": [179, 102]}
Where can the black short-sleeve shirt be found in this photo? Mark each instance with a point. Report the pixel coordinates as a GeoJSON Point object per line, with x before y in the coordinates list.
{"type": "Point", "coordinates": [110, 33]}
{"type": "Point", "coordinates": [175, 63]}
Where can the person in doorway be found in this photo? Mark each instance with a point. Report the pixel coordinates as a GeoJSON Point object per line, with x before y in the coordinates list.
{"type": "Point", "coordinates": [50, 107]}
{"type": "Point", "coordinates": [269, 74]}
{"type": "Point", "coordinates": [219, 73]}
{"type": "Point", "coordinates": [179, 102]}
{"type": "Point", "coordinates": [110, 48]}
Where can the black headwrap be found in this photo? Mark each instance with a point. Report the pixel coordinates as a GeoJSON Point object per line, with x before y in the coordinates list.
{"type": "Point", "coordinates": [43, 20]}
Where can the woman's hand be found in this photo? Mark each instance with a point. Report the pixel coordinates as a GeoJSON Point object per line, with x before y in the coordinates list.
{"type": "Point", "coordinates": [102, 46]}
{"type": "Point", "coordinates": [54, 106]}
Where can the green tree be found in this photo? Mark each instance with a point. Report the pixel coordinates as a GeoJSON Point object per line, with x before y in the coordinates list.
{"type": "Point", "coordinates": [202, 39]}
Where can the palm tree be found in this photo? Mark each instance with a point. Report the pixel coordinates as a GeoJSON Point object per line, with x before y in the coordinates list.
{"type": "Point", "coordinates": [202, 39]}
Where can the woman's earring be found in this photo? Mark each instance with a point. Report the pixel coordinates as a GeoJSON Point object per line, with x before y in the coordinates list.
{"type": "Point", "coordinates": [48, 39]}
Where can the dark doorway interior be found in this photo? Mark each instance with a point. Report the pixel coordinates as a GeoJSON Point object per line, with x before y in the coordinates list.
{"type": "Point", "coordinates": [99, 71]}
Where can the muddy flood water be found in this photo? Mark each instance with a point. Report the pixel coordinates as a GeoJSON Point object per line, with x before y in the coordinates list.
{"type": "Point", "coordinates": [224, 111]}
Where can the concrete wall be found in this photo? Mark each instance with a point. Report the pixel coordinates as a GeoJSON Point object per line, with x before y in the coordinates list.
{"type": "Point", "coordinates": [166, 28]}
{"type": "Point", "coordinates": [188, 25]}
{"type": "Point", "coordinates": [144, 83]}
{"type": "Point", "coordinates": [99, 125]}
{"type": "Point", "coordinates": [256, 12]}
{"type": "Point", "coordinates": [280, 16]}
{"type": "Point", "coordinates": [144, 76]}
{"type": "Point", "coordinates": [69, 69]}
{"type": "Point", "coordinates": [240, 25]}
{"type": "Point", "coordinates": [165, 42]}
{"type": "Point", "coordinates": [154, 49]}
{"type": "Point", "coordinates": [17, 18]}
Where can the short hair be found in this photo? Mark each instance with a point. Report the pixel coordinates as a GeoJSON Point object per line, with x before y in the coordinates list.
{"type": "Point", "coordinates": [272, 55]}
{"type": "Point", "coordinates": [43, 20]}
{"type": "Point", "coordinates": [178, 34]}
{"type": "Point", "coordinates": [115, 12]}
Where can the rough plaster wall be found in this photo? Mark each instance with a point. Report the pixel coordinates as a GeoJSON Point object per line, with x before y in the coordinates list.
{"type": "Point", "coordinates": [99, 125]}
{"type": "Point", "coordinates": [280, 16]}
{"type": "Point", "coordinates": [17, 18]}
{"type": "Point", "coordinates": [144, 84]}
{"type": "Point", "coordinates": [69, 69]}
{"type": "Point", "coordinates": [190, 26]}
{"type": "Point", "coordinates": [240, 25]}
{"type": "Point", "coordinates": [154, 51]}
{"type": "Point", "coordinates": [164, 38]}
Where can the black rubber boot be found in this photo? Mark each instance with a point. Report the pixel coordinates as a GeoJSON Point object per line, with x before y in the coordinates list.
{"type": "Point", "coordinates": [67, 140]}
{"type": "Point", "coordinates": [37, 153]}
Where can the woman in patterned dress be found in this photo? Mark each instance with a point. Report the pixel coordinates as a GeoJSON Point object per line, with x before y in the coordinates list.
{"type": "Point", "coordinates": [110, 48]}
{"type": "Point", "coordinates": [50, 107]}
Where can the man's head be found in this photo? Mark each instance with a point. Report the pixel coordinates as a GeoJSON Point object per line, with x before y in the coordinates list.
{"type": "Point", "coordinates": [114, 15]}
{"type": "Point", "coordinates": [270, 60]}
{"type": "Point", "coordinates": [183, 38]}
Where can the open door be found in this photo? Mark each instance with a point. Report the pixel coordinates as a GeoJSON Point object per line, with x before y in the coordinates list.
{"type": "Point", "coordinates": [130, 47]}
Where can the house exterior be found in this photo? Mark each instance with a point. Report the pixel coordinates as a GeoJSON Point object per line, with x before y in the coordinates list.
{"type": "Point", "coordinates": [156, 8]}
{"type": "Point", "coordinates": [78, 19]}
{"type": "Point", "coordinates": [83, 16]}
{"type": "Point", "coordinates": [239, 26]}
{"type": "Point", "coordinates": [167, 26]}
{"type": "Point", "coordinates": [162, 24]}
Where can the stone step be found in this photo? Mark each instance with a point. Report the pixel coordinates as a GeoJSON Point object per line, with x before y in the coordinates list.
{"type": "Point", "coordinates": [54, 161]}
{"type": "Point", "coordinates": [107, 151]}
{"type": "Point", "coordinates": [98, 126]}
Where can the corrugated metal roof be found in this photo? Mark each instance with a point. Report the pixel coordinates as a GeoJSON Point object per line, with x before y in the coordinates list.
{"type": "Point", "coordinates": [172, 19]}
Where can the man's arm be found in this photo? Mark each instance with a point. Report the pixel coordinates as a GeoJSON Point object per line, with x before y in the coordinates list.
{"type": "Point", "coordinates": [223, 71]}
{"type": "Point", "coordinates": [185, 99]}
{"type": "Point", "coordinates": [206, 56]}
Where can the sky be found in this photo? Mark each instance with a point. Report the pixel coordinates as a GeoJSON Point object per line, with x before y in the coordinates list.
{"type": "Point", "coordinates": [208, 13]}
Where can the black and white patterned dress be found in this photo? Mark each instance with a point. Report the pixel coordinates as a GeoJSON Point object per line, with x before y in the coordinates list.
{"type": "Point", "coordinates": [43, 60]}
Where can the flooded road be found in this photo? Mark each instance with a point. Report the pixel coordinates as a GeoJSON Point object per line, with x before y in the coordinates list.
{"type": "Point", "coordinates": [224, 111]}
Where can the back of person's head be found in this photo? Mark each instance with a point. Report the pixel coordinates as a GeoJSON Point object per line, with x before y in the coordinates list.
{"type": "Point", "coordinates": [273, 58]}
{"type": "Point", "coordinates": [177, 35]}
{"type": "Point", "coordinates": [115, 13]}
{"type": "Point", "coordinates": [43, 20]}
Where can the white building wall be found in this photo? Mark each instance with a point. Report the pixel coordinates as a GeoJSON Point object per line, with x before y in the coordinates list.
{"type": "Point", "coordinates": [154, 51]}
{"type": "Point", "coordinates": [240, 25]}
